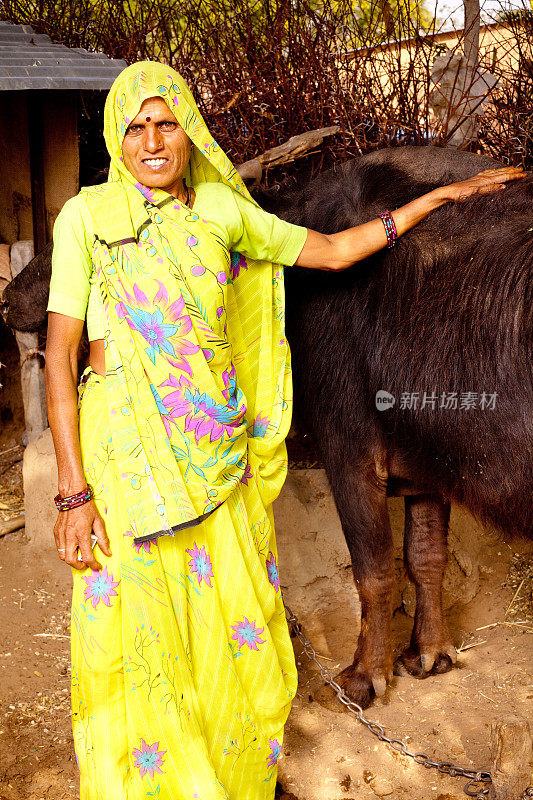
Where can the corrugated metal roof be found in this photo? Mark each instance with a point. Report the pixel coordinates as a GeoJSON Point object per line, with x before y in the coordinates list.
{"type": "Point", "coordinates": [30, 60]}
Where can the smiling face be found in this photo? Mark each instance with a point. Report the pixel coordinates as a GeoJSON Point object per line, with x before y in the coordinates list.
{"type": "Point", "coordinates": [155, 148]}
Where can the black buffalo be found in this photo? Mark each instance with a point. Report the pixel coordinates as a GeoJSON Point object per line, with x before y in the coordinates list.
{"type": "Point", "coordinates": [444, 319]}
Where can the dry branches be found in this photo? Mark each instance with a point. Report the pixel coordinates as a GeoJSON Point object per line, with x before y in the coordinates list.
{"type": "Point", "coordinates": [266, 70]}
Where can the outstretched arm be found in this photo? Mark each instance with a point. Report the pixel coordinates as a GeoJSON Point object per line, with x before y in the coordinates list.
{"type": "Point", "coordinates": [338, 251]}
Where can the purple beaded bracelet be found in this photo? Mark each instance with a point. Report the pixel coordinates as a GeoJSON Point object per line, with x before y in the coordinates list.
{"type": "Point", "coordinates": [390, 227]}
{"type": "Point", "coordinates": [75, 500]}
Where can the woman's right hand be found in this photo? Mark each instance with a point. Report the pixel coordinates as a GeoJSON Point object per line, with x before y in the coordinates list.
{"type": "Point", "coordinates": [73, 528]}
{"type": "Point", "coordinates": [72, 533]}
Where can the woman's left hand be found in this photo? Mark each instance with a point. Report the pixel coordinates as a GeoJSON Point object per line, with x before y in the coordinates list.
{"type": "Point", "coordinates": [485, 182]}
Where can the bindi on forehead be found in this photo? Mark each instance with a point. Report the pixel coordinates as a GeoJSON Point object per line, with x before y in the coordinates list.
{"type": "Point", "coordinates": [148, 119]}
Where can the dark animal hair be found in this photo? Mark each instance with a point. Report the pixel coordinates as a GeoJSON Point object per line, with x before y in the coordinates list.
{"type": "Point", "coordinates": [25, 298]}
{"type": "Point", "coordinates": [450, 308]}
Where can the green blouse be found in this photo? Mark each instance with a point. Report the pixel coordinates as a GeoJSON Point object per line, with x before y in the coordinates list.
{"type": "Point", "coordinates": [238, 223]}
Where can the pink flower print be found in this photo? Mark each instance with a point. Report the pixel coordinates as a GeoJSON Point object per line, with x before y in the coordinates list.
{"type": "Point", "coordinates": [144, 546]}
{"type": "Point", "coordinates": [275, 750]}
{"type": "Point", "coordinates": [247, 474]}
{"type": "Point", "coordinates": [260, 426]}
{"type": "Point", "coordinates": [247, 633]}
{"type": "Point", "coordinates": [201, 564]}
{"type": "Point", "coordinates": [148, 759]}
{"type": "Point", "coordinates": [154, 635]}
{"type": "Point", "coordinates": [272, 571]}
{"type": "Point", "coordinates": [163, 325]}
{"type": "Point", "coordinates": [154, 330]}
{"type": "Point", "coordinates": [202, 413]}
{"type": "Point", "coordinates": [237, 263]}
{"type": "Point", "coordinates": [209, 417]}
{"type": "Point", "coordinates": [100, 586]}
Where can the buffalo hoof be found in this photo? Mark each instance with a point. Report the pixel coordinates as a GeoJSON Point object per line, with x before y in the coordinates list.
{"type": "Point", "coordinates": [423, 664]}
{"type": "Point", "coordinates": [357, 684]}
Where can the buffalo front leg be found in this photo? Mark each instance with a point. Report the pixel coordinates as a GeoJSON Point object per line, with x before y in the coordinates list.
{"type": "Point", "coordinates": [431, 649]}
{"type": "Point", "coordinates": [361, 500]}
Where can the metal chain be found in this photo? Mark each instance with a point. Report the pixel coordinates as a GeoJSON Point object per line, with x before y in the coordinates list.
{"type": "Point", "coordinates": [479, 781]}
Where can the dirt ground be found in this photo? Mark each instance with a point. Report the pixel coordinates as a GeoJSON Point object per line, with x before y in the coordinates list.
{"type": "Point", "coordinates": [36, 756]}
{"type": "Point", "coordinates": [327, 754]}
{"type": "Point", "coordinates": [447, 716]}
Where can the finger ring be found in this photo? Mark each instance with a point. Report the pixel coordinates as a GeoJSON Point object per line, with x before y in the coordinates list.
{"type": "Point", "coordinates": [61, 549]}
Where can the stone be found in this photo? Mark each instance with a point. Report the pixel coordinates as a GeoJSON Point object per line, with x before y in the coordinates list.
{"type": "Point", "coordinates": [39, 472]}
{"type": "Point", "coordinates": [381, 787]}
{"type": "Point", "coordinates": [31, 366]}
{"type": "Point", "coordinates": [451, 797]}
{"type": "Point", "coordinates": [21, 255]}
{"type": "Point", "coordinates": [512, 757]}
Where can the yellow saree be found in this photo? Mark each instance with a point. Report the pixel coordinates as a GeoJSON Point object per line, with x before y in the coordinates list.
{"type": "Point", "coordinates": [182, 666]}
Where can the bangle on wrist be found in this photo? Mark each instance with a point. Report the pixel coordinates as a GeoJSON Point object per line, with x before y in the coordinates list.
{"type": "Point", "coordinates": [390, 227]}
{"type": "Point", "coordinates": [75, 500]}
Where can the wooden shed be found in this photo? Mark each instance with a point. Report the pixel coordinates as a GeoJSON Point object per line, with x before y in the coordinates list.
{"type": "Point", "coordinates": [40, 87]}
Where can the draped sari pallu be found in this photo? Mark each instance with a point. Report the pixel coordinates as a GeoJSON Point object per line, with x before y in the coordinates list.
{"type": "Point", "coordinates": [183, 670]}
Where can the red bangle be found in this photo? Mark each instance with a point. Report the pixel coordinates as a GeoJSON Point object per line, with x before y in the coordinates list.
{"type": "Point", "coordinates": [75, 500]}
{"type": "Point", "coordinates": [390, 228]}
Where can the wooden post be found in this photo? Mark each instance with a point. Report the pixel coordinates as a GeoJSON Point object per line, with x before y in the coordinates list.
{"type": "Point", "coordinates": [468, 128]}
{"type": "Point", "coordinates": [38, 194]}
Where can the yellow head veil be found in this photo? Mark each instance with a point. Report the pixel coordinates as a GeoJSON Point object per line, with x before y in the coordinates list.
{"type": "Point", "coordinates": [147, 79]}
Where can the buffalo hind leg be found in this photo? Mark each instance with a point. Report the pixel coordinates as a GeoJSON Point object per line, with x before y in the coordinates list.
{"type": "Point", "coordinates": [360, 496]}
{"type": "Point", "coordinates": [431, 649]}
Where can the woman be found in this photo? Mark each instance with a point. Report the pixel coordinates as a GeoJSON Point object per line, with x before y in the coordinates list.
{"type": "Point", "coordinates": [182, 666]}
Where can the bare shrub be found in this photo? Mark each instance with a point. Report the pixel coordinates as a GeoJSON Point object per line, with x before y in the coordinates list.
{"type": "Point", "coordinates": [265, 70]}
{"type": "Point", "coordinates": [506, 128]}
